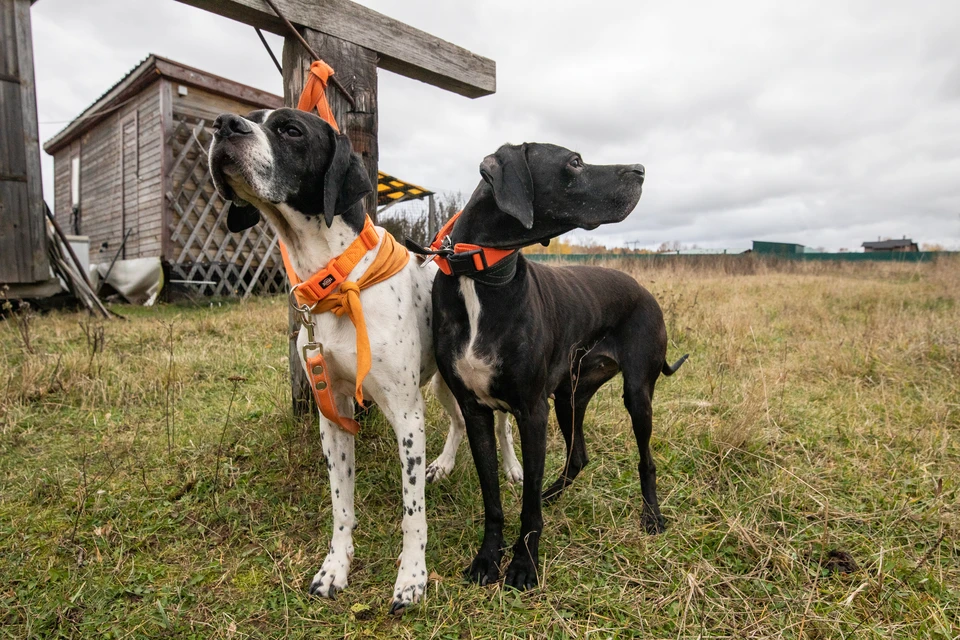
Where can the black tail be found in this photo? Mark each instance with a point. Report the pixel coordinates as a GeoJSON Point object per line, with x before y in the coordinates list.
{"type": "Point", "coordinates": [670, 370]}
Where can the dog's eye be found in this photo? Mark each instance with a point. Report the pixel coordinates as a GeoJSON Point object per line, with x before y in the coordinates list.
{"type": "Point", "coordinates": [291, 131]}
{"type": "Point", "coordinates": [576, 162]}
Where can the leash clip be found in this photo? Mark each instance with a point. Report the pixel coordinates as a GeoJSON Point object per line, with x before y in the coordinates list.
{"type": "Point", "coordinates": [304, 312]}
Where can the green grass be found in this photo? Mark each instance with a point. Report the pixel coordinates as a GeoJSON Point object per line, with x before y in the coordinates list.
{"type": "Point", "coordinates": [819, 412]}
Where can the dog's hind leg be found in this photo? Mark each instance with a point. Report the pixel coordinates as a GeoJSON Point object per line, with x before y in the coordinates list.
{"type": "Point", "coordinates": [403, 408]}
{"type": "Point", "coordinates": [569, 410]}
{"type": "Point", "coordinates": [638, 397]}
{"type": "Point", "coordinates": [511, 466]}
{"type": "Point", "coordinates": [592, 370]}
{"type": "Point", "coordinates": [443, 465]}
{"type": "Point", "coordinates": [338, 447]}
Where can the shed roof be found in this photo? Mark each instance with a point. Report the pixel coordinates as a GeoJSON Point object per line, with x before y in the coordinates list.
{"type": "Point", "coordinates": [888, 244]}
{"type": "Point", "coordinates": [391, 189]}
{"type": "Point", "coordinates": [144, 74]}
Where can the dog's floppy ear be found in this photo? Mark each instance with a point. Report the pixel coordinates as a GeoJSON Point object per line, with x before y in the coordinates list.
{"type": "Point", "coordinates": [241, 216]}
{"type": "Point", "coordinates": [506, 171]}
{"type": "Point", "coordinates": [346, 182]}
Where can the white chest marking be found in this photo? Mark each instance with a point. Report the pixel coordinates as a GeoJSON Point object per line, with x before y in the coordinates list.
{"type": "Point", "coordinates": [474, 370]}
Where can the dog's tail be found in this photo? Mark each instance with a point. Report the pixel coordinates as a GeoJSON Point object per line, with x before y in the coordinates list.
{"type": "Point", "coordinates": [669, 370]}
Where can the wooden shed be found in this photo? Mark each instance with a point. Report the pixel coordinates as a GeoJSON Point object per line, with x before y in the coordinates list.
{"type": "Point", "coordinates": [131, 173]}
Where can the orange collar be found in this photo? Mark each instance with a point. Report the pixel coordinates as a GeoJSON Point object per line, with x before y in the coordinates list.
{"type": "Point", "coordinates": [463, 258]}
{"type": "Point", "coordinates": [311, 291]}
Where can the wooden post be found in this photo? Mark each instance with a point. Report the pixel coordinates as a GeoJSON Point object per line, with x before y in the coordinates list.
{"type": "Point", "coordinates": [356, 68]}
{"type": "Point", "coordinates": [23, 229]}
{"type": "Point", "coordinates": [432, 222]}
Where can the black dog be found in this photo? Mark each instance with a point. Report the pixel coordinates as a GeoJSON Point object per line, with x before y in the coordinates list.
{"type": "Point", "coordinates": [511, 334]}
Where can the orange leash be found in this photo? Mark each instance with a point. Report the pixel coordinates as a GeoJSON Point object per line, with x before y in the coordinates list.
{"type": "Point", "coordinates": [329, 289]}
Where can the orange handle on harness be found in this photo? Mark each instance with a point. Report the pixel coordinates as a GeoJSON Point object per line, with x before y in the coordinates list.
{"type": "Point", "coordinates": [323, 394]}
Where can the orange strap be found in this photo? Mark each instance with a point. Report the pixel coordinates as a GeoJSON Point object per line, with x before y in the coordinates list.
{"type": "Point", "coordinates": [314, 94]}
{"type": "Point", "coordinates": [483, 257]}
{"type": "Point", "coordinates": [323, 394]}
{"type": "Point", "coordinates": [315, 288]}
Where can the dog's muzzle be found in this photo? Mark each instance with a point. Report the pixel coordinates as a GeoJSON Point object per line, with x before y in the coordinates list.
{"type": "Point", "coordinates": [635, 169]}
{"type": "Point", "coordinates": [228, 126]}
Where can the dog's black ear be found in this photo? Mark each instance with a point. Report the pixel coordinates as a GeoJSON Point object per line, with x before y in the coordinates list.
{"type": "Point", "coordinates": [506, 171]}
{"type": "Point", "coordinates": [241, 216]}
{"type": "Point", "coordinates": [346, 182]}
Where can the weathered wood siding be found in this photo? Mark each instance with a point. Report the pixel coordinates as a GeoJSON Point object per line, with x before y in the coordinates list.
{"type": "Point", "coordinates": [120, 180]}
{"type": "Point", "coordinates": [23, 240]}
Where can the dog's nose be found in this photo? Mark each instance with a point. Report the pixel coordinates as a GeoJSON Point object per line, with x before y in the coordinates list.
{"type": "Point", "coordinates": [228, 125]}
{"type": "Point", "coordinates": [633, 169]}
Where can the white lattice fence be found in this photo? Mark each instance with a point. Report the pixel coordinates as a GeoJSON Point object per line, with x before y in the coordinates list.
{"type": "Point", "coordinates": [202, 249]}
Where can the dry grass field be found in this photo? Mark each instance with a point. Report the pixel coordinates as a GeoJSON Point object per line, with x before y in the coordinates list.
{"type": "Point", "coordinates": [153, 482]}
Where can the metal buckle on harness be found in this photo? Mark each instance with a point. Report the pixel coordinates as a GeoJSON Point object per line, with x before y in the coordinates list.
{"type": "Point", "coordinates": [305, 317]}
{"type": "Point", "coordinates": [445, 246]}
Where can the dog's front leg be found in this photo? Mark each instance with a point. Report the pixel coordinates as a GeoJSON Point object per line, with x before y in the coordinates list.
{"type": "Point", "coordinates": [522, 572]}
{"type": "Point", "coordinates": [338, 447]}
{"type": "Point", "coordinates": [403, 408]}
{"type": "Point", "coordinates": [485, 568]}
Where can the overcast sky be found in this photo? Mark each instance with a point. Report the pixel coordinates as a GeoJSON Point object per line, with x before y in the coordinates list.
{"type": "Point", "coordinates": [822, 123]}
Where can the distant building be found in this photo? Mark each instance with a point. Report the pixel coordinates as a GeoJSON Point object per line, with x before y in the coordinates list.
{"type": "Point", "coordinates": [904, 245]}
{"type": "Point", "coordinates": [777, 248]}
{"type": "Point", "coordinates": [704, 252]}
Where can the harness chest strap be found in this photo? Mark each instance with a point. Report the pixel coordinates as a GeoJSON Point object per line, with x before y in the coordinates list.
{"type": "Point", "coordinates": [329, 290]}
{"type": "Point", "coordinates": [318, 286]}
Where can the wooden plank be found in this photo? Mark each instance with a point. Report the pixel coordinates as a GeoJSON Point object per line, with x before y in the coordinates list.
{"type": "Point", "coordinates": [399, 47]}
{"type": "Point", "coordinates": [167, 131]}
{"type": "Point", "coordinates": [215, 84]}
{"type": "Point", "coordinates": [23, 243]}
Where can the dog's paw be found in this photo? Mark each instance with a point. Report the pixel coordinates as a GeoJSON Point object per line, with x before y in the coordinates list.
{"type": "Point", "coordinates": [521, 574]}
{"type": "Point", "coordinates": [514, 472]}
{"type": "Point", "coordinates": [439, 469]}
{"type": "Point", "coordinates": [407, 594]}
{"type": "Point", "coordinates": [332, 577]}
{"type": "Point", "coordinates": [653, 523]}
{"type": "Point", "coordinates": [485, 568]}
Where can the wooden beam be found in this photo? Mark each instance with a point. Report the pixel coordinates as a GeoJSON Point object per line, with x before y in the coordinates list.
{"type": "Point", "coordinates": [400, 48]}
{"type": "Point", "coordinates": [357, 68]}
{"type": "Point", "coordinates": [23, 226]}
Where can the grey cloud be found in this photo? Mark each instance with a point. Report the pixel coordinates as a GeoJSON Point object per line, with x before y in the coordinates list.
{"type": "Point", "coordinates": [818, 122]}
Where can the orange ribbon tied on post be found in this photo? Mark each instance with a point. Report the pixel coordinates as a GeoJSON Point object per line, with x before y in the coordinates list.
{"type": "Point", "coordinates": [314, 94]}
